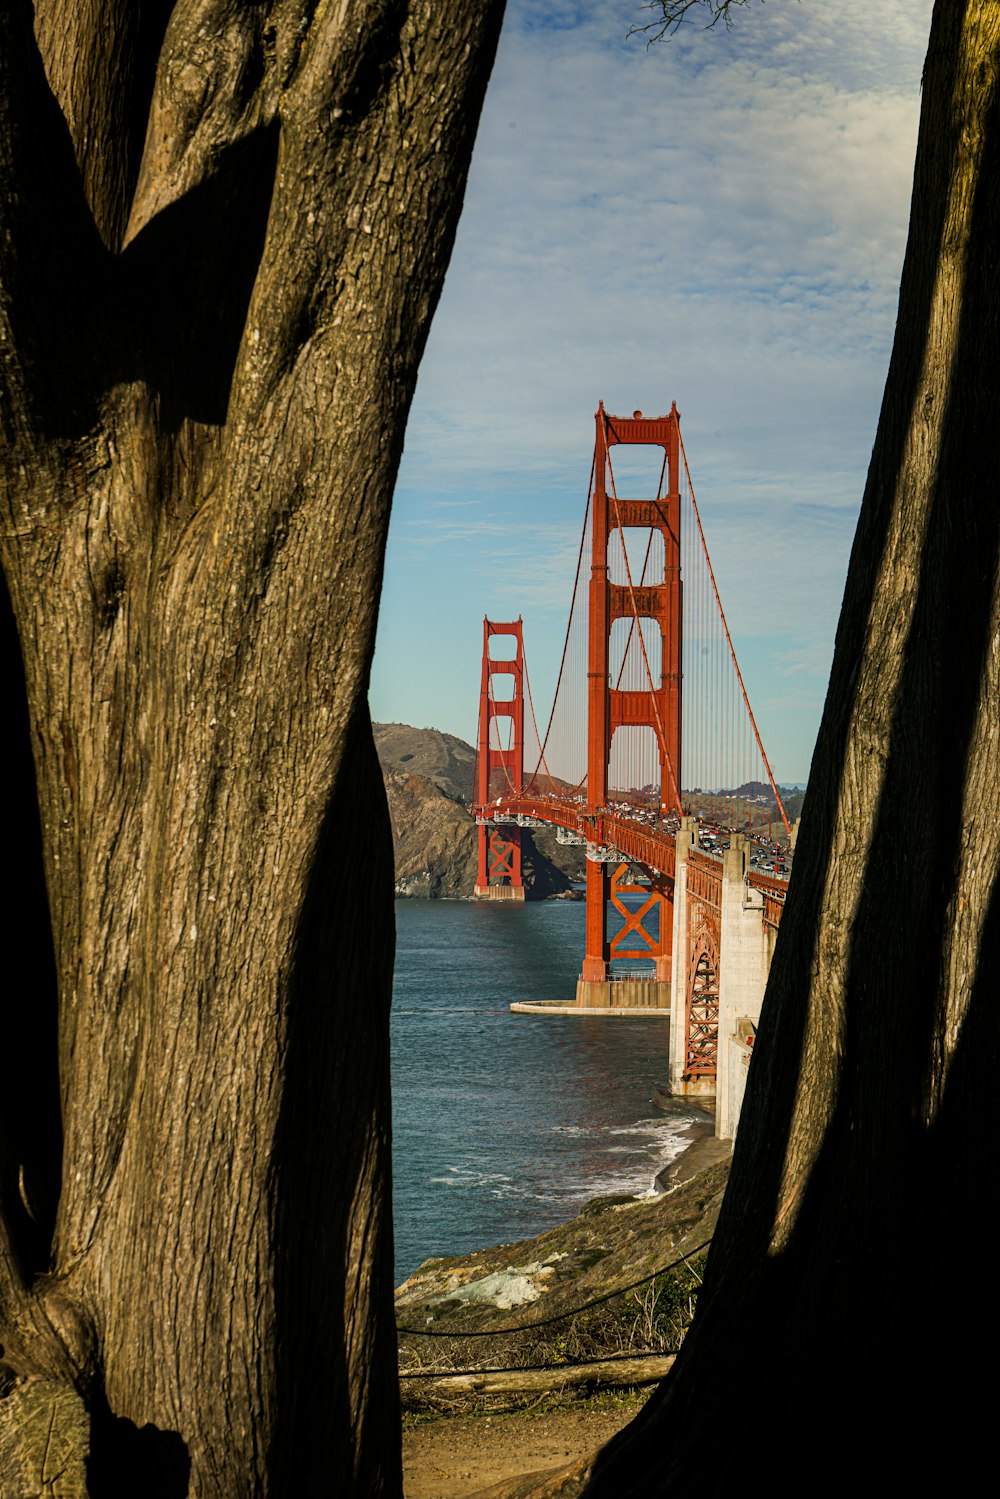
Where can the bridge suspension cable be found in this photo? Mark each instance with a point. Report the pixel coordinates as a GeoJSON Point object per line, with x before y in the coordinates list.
{"type": "Point", "coordinates": [736, 726]}
{"type": "Point", "coordinates": [565, 732]}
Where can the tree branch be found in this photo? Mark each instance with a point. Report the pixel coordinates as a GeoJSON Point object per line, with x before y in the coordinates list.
{"type": "Point", "coordinates": [377, 124]}
{"type": "Point", "coordinates": [674, 13]}
{"type": "Point", "coordinates": [35, 1337]}
{"type": "Point", "coordinates": [216, 84]}
{"type": "Point", "coordinates": [100, 59]}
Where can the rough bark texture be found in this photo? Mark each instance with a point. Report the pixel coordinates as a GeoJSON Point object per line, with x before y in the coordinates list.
{"type": "Point", "coordinates": [225, 228]}
{"type": "Point", "coordinates": [44, 1442]}
{"type": "Point", "coordinates": [847, 1302]}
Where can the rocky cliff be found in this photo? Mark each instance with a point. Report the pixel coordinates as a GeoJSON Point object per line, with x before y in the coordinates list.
{"type": "Point", "coordinates": [433, 838]}
{"type": "Point", "coordinates": [428, 781]}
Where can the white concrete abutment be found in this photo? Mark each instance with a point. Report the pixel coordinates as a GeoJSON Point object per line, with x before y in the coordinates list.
{"type": "Point", "coordinates": [723, 943]}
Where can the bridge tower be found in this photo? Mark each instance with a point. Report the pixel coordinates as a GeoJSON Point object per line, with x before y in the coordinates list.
{"type": "Point", "coordinates": [658, 706]}
{"type": "Point", "coordinates": [499, 770]}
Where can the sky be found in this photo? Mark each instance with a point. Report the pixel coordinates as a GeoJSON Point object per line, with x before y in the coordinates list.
{"type": "Point", "coordinates": [719, 221]}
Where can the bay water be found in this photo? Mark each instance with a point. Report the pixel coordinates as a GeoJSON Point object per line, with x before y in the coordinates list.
{"type": "Point", "coordinates": [505, 1125]}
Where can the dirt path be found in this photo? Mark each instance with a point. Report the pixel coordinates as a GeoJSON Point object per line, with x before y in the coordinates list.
{"type": "Point", "coordinates": [455, 1457]}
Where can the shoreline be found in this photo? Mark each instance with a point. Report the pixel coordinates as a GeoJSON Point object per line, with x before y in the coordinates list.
{"type": "Point", "coordinates": [700, 1154]}
{"type": "Point", "coordinates": [565, 1297]}
{"type": "Point", "coordinates": [703, 1150]}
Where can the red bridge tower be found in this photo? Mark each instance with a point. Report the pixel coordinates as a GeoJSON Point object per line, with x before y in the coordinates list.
{"type": "Point", "coordinates": [499, 771]}
{"type": "Point", "coordinates": [658, 706]}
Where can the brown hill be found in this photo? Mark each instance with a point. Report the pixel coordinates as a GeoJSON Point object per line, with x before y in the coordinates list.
{"type": "Point", "coordinates": [433, 837]}
{"type": "Point", "coordinates": [448, 762]}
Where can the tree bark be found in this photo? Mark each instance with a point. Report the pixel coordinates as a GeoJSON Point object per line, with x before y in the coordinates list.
{"type": "Point", "coordinates": [847, 1298]}
{"type": "Point", "coordinates": [225, 229]}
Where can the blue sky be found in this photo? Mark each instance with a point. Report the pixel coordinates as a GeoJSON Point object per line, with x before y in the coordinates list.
{"type": "Point", "coordinates": [718, 221]}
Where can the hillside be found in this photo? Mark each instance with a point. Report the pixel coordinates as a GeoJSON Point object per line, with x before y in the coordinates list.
{"type": "Point", "coordinates": [428, 781]}
{"type": "Point", "coordinates": [433, 838]}
{"type": "Point", "coordinates": [449, 762]}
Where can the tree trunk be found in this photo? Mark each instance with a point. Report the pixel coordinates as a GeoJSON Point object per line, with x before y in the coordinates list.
{"type": "Point", "coordinates": [848, 1303]}
{"type": "Point", "coordinates": [225, 229]}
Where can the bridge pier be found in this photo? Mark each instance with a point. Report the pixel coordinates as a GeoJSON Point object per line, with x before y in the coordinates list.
{"type": "Point", "coordinates": [499, 861]}
{"type": "Point", "coordinates": [748, 938]}
{"type": "Point", "coordinates": [498, 892]}
{"type": "Point", "coordinates": [623, 994]}
{"type": "Point", "coordinates": [597, 988]}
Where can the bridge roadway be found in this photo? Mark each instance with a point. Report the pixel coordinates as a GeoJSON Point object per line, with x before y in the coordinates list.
{"type": "Point", "coordinates": [641, 843]}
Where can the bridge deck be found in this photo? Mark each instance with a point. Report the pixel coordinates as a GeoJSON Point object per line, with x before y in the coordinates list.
{"type": "Point", "coordinates": [644, 843]}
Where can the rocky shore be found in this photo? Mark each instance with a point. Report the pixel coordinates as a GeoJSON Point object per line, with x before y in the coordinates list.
{"type": "Point", "coordinates": [580, 1292]}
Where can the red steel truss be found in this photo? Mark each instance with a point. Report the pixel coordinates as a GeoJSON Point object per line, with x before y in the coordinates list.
{"type": "Point", "coordinates": [701, 996]}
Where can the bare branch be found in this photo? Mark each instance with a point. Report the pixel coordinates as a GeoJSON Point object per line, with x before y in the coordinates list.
{"type": "Point", "coordinates": [674, 13]}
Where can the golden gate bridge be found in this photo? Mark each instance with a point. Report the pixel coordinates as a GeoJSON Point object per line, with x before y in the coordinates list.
{"type": "Point", "coordinates": [650, 735]}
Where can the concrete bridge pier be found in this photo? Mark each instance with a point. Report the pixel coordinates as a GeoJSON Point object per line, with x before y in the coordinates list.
{"type": "Point", "coordinates": [623, 994]}
{"type": "Point", "coordinates": [498, 892]}
{"type": "Point", "coordinates": [747, 948]}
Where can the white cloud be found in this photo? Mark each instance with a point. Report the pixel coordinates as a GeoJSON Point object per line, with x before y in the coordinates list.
{"type": "Point", "coordinates": [646, 224]}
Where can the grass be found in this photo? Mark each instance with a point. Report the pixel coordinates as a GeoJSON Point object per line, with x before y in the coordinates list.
{"type": "Point", "coordinates": [650, 1319]}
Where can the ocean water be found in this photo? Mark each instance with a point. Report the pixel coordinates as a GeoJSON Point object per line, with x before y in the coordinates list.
{"type": "Point", "coordinates": [505, 1125]}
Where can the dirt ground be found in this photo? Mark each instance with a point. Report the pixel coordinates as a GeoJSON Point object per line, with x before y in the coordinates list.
{"type": "Point", "coordinates": [457, 1456]}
